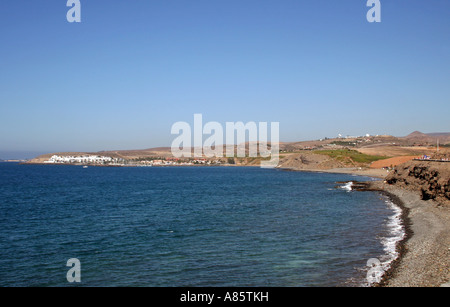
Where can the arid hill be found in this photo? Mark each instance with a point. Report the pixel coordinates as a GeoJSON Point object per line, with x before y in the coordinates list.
{"type": "Point", "coordinates": [427, 138]}
{"type": "Point", "coordinates": [309, 161]}
{"type": "Point", "coordinates": [316, 154]}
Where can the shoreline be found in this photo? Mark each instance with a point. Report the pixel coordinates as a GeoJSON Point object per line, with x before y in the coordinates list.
{"type": "Point", "coordinates": [363, 172]}
{"type": "Point", "coordinates": [406, 223]}
{"type": "Point", "coordinates": [424, 259]}
{"type": "Point", "coordinates": [424, 252]}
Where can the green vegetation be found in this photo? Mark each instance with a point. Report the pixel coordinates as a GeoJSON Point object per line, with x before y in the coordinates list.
{"type": "Point", "coordinates": [347, 154]}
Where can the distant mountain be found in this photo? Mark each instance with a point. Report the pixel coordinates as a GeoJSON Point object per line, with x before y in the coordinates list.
{"type": "Point", "coordinates": [420, 137]}
{"type": "Point", "coordinates": [440, 134]}
{"type": "Point", "coordinates": [416, 134]}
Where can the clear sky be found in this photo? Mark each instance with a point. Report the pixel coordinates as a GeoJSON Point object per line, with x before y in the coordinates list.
{"type": "Point", "coordinates": [130, 69]}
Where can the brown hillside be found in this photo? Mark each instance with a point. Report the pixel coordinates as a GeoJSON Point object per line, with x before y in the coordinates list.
{"type": "Point", "coordinates": [391, 162]}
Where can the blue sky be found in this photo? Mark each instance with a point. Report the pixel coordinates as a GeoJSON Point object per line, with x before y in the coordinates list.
{"type": "Point", "coordinates": [130, 69]}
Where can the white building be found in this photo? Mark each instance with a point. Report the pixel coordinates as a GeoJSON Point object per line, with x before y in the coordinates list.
{"type": "Point", "coordinates": [85, 159]}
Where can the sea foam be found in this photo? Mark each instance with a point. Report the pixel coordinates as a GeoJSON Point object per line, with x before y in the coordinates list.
{"type": "Point", "coordinates": [395, 234]}
{"type": "Point", "coordinates": [348, 186]}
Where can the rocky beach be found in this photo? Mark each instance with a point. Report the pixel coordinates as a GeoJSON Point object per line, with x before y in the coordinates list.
{"type": "Point", "coordinates": [425, 254]}
{"type": "Point", "coordinates": [421, 189]}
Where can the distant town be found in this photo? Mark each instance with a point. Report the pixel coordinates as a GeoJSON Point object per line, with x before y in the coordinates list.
{"type": "Point", "coordinates": [366, 151]}
{"type": "Point", "coordinates": [110, 161]}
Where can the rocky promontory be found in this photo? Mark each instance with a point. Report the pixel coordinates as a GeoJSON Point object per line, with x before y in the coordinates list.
{"type": "Point", "coordinates": [431, 179]}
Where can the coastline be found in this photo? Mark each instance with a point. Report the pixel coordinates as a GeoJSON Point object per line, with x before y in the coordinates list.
{"type": "Point", "coordinates": [424, 259]}
{"type": "Point", "coordinates": [424, 252]}
{"type": "Point", "coordinates": [390, 266]}
{"type": "Point", "coordinates": [405, 222]}
{"type": "Point", "coordinates": [364, 172]}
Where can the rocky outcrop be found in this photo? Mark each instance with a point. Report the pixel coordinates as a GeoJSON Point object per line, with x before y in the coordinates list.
{"type": "Point", "coordinates": [431, 179]}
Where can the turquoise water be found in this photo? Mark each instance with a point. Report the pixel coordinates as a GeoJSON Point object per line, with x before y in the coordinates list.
{"type": "Point", "coordinates": [198, 226]}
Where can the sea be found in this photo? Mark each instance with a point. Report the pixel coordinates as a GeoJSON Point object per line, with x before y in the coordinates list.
{"type": "Point", "coordinates": [190, 227]}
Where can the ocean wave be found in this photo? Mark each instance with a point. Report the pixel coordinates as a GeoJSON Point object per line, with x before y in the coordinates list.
{"type": "Point", "coordinates": [395, 234]}
{"type": "Point", "coordinates": [348, 186]}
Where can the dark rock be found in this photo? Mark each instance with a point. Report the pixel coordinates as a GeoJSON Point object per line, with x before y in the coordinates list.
{"type": "Point", "coordinates": [432, 179]}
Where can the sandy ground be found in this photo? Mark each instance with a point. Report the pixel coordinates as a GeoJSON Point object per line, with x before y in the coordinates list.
{"type": "Point", "coordinates": [395, 151]}
{"type": "Point", "coordinates": [377, 173]}
{"type": "Point", "coordinates": [392, 162]}
{"type": "Point", "coordinates": [368, 172]}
